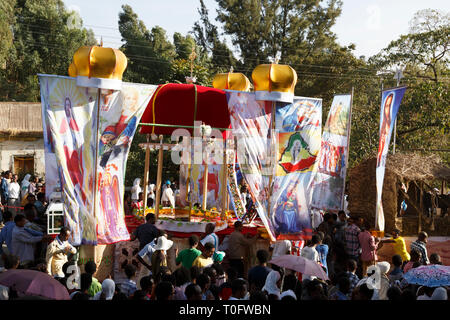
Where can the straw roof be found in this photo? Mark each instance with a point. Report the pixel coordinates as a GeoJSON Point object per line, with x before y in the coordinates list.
{"type": "Point", "coordinates": [21, 119]}
{"type": "Point", "coordinates": [411, 166]}
{"type": "Point", "coordinates": [418, 167]}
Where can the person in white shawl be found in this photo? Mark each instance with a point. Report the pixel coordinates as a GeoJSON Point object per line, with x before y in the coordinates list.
{"type": "Point", "coordinates": [272, 285]}
{"type": "Point", "coordinates": [135, 190]}
{"type": "Point", "coordinates": [107, 293]}
{"type": "Point", "coordinates": [24, 185]}
{"type": "Point", "coordinates": [168, 198]}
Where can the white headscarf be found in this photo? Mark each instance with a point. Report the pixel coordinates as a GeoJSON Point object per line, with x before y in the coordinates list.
{"type": "Point", "coordinates": [384, 267]}
{"type": "Point", "coordinates": [439, 294]}
{"type": "Point", "coordinates": [26, 181]}
{"type": "Point", "coordinates": [4, 293]}
{"type": "Point", "coordinates": [288, 293]}
{"type": "Point", "coordinates": [136, 189]}
{"type": "Point", "coordinates": [108, 288]}
{"type": "Point", "coordinates": [271, 283]}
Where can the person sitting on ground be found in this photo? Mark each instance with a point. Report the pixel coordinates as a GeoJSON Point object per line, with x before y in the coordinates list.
{"type": "Point", "coordinates": [238, 289]}
{"type": "Point", "coordinates": [225, 289]}
{"type": "Point", "coordinates": [128, 287]}
{"type": "Point", "coordinates": [193, 292]}
{"type": "Point", "coordinates": [205, 259]}
{"type": "Point", "coordinates": [91, 268]}
{"type": "Point", "coordinates": [273, 284]}
{"type": "Point", "coordinates": [397, 273]}
{"type": "Point", "coordinates": [421, 245]}
{"type": "Point", "coordinates": [343, 289]}
{"type": "Point", "coordinates": [82, 293]}
{"type": "Point", "coordinates": [107, 292]}
{"type": "Point", "coordinates": [147, 284]}
{"type": "Point", "coordinates": [57, 252]}
{"type": "Point", "coordinates": [415, 257]}
{"type": "Point", "coordinates": [164, 291]}
{"type": "Point", "coordinates": [187, 256]}
{"type": "Point", "coordinates": [146, 232]}
{"type": "Point", "coordinates": [435, 259]}
{"type": "Point", "coordinates": [258, 274]}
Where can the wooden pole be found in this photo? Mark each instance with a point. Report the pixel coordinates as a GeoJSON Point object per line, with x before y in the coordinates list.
{"type": "Point", "coordinates": [147, 163]}
{"type": "Point", "coordinates": [420, 207]}
{"type": "Point", "coordinates": [159, 177]}
{"type": "Point", "coordinates": [96, 153]}
{"type": "Point", "coordinates": [272, 156]}
{"type": "Point", "coordinates": [205, 184]}
{"type": "Point", "coordinates": [349, 124]}
{"type": "Point", "coordinates": [224, 181]}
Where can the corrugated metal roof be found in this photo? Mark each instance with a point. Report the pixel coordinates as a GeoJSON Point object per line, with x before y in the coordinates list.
{"type": "Point", "coordinates": [20, 118]}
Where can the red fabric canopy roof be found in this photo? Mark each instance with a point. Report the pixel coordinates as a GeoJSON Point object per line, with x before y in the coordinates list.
{"type": "Point", "coordinates": [174, 104]}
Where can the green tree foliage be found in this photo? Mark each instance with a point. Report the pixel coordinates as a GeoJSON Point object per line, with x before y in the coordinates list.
{"type": "Point", "coordinates": [6, 35]}
{"type": "Point", "coordinates": [45, 39]}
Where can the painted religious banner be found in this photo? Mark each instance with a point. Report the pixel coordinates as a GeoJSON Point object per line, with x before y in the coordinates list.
{"type": "Point", "coordinates": [329, 179]}
{"type": "Point", "coordinates": [390, 103]}
{"type": "Point", "coordinates": [298, 127]}
{"type": "Point", "coordinates": [120, 113]}
{"type": "Point", "coordinates": [250, 120]}
{"type": "Point", "coordinates": [91, 144]}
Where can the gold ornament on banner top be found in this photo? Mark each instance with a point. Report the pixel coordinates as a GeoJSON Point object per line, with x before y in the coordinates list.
{"type": "Point", "coordinates": [231, 81]}
{"type": "Point", "coordinates": [98, 67]}
{"type": "Point", "coordinates": [274, 82]}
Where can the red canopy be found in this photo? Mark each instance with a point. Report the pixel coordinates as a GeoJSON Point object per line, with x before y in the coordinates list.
{"type": "Point", "coordinates": [174, 104]}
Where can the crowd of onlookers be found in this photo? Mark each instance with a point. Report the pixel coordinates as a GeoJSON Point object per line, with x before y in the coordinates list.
{"type": "Point", "coordinates": [212, 268]}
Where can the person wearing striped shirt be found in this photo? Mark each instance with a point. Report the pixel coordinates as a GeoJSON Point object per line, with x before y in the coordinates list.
{"type": "Point", "coordinates": [421, 245]}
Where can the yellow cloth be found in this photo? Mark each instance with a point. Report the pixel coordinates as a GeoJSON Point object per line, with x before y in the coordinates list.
{"type": "Point", "coordinates": [56, 257]}
{"type": "Point", "coordinates": [400, 248]}
{"type": "Point", "coordinates": [202, 262]}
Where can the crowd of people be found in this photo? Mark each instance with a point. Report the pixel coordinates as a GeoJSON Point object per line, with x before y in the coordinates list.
{"type": "Point", "coordinates": [209, 270]}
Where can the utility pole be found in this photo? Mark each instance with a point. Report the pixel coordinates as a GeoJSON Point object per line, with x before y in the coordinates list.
{"type": "Point", "coordinates": [398, 76]}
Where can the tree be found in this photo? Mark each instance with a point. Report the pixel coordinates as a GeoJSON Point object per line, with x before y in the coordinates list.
{"type": "Point", "coordinates": [6, 35]}
{"type": "Point", "coordinates": [221, 58]}
{"type": "Point", "coordinates": [149, 53]}
{"type": "Point", "coordinates": [44, 42]}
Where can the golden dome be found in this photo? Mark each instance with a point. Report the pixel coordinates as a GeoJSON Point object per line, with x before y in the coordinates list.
{"type": "Point", "coordinates": [231, 81]}
{"type": "Point", "coordinates": [98, 62]}
{"type": "Point", "coordinates": [274, 82]}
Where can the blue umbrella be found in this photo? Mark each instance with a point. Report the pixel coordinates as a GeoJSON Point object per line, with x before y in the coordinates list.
{"type": "Point", "coordinates": [430, 276]}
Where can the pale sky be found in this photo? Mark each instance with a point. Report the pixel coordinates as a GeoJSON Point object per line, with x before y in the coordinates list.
{"type": "Point", "coordinates": [369, 24]}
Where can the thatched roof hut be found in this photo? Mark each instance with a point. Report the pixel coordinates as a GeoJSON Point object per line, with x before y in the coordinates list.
{"type": "Point", "coordinates": [409, 177]}
{"type": "Point", "coordinates": [21, 119]}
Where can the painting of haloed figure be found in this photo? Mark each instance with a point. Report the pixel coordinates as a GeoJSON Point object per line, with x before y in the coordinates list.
{"type": "Point", "coordinates": [288, 215]}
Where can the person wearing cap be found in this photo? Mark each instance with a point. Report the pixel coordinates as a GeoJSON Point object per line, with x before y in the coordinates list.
{"type": "Point", "coordinates": [167, 198]}
{"type": "Point", "coordinates": [421, 245]}
{"type": "Point", "coordinates": [399, 245]}
{"type": "Point", "coordinates": [159, 256]}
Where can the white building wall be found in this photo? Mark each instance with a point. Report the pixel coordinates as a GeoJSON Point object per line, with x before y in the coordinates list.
{"type": "Point", "coordinates": [11, 148]}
